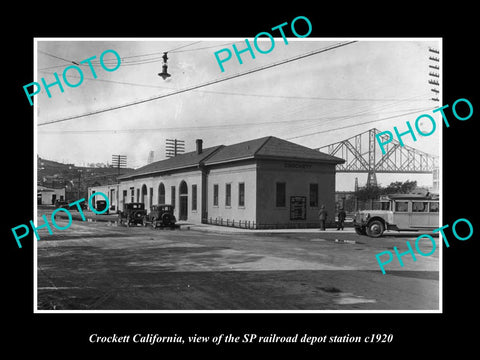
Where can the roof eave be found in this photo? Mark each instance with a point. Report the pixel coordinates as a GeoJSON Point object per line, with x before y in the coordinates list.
{"type": "Point", "coordinates": [334, 159]}
{"type": "Point", "coordinates": [188, 167]}
{"type": "Point", "coordinates": [183, 167]}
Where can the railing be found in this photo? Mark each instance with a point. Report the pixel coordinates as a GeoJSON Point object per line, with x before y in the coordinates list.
{"type": "Point", "coordinates": [249, 224]}
{"type": "Point", "coordinates": [245, 224]}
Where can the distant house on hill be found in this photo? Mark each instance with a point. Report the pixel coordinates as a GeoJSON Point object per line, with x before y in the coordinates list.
{"type": "Point", "coordinates": [48, 196]}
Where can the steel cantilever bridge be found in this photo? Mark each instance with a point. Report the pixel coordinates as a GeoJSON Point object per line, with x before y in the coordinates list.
{"type": "Point", "coordinates": [361, 155]}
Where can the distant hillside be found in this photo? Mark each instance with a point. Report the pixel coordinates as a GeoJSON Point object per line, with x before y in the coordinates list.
{"type": "Point", "coordinates": [51, 168]}
{"type": "Point", "coordinates": [75, 179]}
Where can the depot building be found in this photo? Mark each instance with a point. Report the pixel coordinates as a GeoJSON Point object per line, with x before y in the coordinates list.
{"type": "Point", "coordinates": [261, 183]}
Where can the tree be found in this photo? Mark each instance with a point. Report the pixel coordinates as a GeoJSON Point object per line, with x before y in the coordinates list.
{"type": "Point", "coordinates": [399, 187]}
{"type": "Point", "coordinates": [368, 192]}
{"type": "Point", "coordinates": [374, 192]}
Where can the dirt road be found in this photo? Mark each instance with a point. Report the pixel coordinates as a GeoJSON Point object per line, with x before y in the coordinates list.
{"type": "Point", "coordinates": [94, 266]}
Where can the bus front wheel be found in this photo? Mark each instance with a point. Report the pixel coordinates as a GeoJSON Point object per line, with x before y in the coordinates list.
{"type": "Point", "coordinates": [375, 228]}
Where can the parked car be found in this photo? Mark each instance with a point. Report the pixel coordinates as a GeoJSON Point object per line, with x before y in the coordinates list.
{"type": "Point", "coordinates": [400, 212]}
{"type": "Point", "coordinates": [133, 214]}
{"type": "Point", "coordinates": [61, 204]}
{"type": "Point", "coordinates": [101, 205]}
{"type": "Point", "coordinates": [83, 205]}
{"type": "Point", "coordinates": [160, 216]}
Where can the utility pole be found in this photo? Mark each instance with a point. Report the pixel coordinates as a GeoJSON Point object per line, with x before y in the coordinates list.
{"type": "Point", "coordinates": [174, 147]}
{"type": "Point", "coordinates": [119, 161]}
{"type": "Point", "coordinates": [79, 182]}
{"type": "Point", "coordinates": [434, 74]}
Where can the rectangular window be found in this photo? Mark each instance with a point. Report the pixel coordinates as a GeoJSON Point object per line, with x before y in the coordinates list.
{"type": "Point", "coordinates": [173, 196]}
{"type": "Point", "coordinates": [194, 197]}
{"type": "Point", "coordinates": [314, 195]}
{"type": "Point", "coordinates": [401, 206]}
{"type": "Point", "coordinates": [434, 206]}
{"type": "Point", "coordinates": [112, 199]}
{"type": "Point", "coordinates": [280, 198]}
{"type": "Point", "coordinates": [228, 194]}
{"type": "Point", "coordinates": [132, 195]}
{"type": "Point", "coordinates": [241, 194]}
{"type": "Point", "coordinates": [150, 200]}
{"type": "Point", "coordinates": [385, 205]}
{"type": "Point", "coordinates": [215, 195]}
{"type": "Point", "coordinates": [138, 195]}
{"type": "Point", "coordinates": [419, 206]}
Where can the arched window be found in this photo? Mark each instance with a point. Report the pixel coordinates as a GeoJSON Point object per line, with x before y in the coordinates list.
{"type": "Point", "coordinates": [183, 197]}
{"type": "Point", "coordinates": [183, 188]}
{"type": "Point", "coordinates": [161, 193]}
{"type": "Point", "coordinates": [144, 194]}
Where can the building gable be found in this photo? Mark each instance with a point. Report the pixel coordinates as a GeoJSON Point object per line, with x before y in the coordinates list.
{"type": "Point", "coordinates": [270, 147]}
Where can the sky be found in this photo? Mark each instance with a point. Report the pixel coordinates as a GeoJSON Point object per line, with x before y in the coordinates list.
{"type": "Point", "coordinates": [313, 101]}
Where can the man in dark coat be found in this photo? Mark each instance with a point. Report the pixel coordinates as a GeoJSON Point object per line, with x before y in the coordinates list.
{"type": "Point", "coordinates": [341, 219]}
{"type": "Point", "coordinates": [322, 216]}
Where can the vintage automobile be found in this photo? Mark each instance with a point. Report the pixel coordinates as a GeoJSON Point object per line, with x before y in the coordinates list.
{"type": "Point", "coordinates": [400, 212]}
{"type": "Point", "coordinates": [61, 204]}
{"type": "Point", "coordinates": [101, 205]}
{"type": "Point", "coordinates": [133, 214]}
{"type": "Point", "coordinates": [160, 216]}
{"type": "Point", "coordinates": [82, 204]}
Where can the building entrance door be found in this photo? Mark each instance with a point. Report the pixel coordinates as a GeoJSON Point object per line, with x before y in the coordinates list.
{"type": "Point", "coordinates": [183, 209]}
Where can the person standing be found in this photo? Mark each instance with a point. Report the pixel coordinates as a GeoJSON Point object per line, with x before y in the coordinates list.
{"type": "Point", "coordinates": [322, 216]}
{"type": "Point", "coordinates": [341, 218]}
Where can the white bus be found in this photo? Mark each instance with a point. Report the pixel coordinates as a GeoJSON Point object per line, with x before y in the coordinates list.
{"type": "Point", "coordinates": [400, 212]}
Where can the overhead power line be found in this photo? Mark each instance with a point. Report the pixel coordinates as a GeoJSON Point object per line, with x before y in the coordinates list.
{"type": "Point", "coordinates": [129, 60]}
{"type": "Point", "coordinates": [327, 118]}
{"type": "Point", "coordinates": [123, 62]}
{"type": "Point", "coordinates": [361, 111]}
{"type": "Point", "coordinates": [358, 124]}
{"type": "Point", "coordinates": [242, 125]}
{"type": "Point", "coordinates": [294, 97]}
{"type": "Point", "coordinates": [58, 57]}
{"type": "Point", "coordinates": [137, 102]}
{"type": "Point", "coordinates": [183, 46]}
{"type": "Point", "coordinates": [177, 128]}
{"type": "Point", "coordinates": [204, 47]}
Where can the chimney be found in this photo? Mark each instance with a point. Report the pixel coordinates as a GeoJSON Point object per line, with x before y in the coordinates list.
{"type": "Point", "coordinates": [199, 145]}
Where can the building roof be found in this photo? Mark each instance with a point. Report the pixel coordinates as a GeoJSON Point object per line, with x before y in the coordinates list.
{"type": "Point", "coordinates": [182, 161]}
{"type": "Point", "coordinates": [41, 188]}
{"type": "Point", "coordinates": [268, 147]}
{"type": "Point", "coordinates": [414, 196]}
